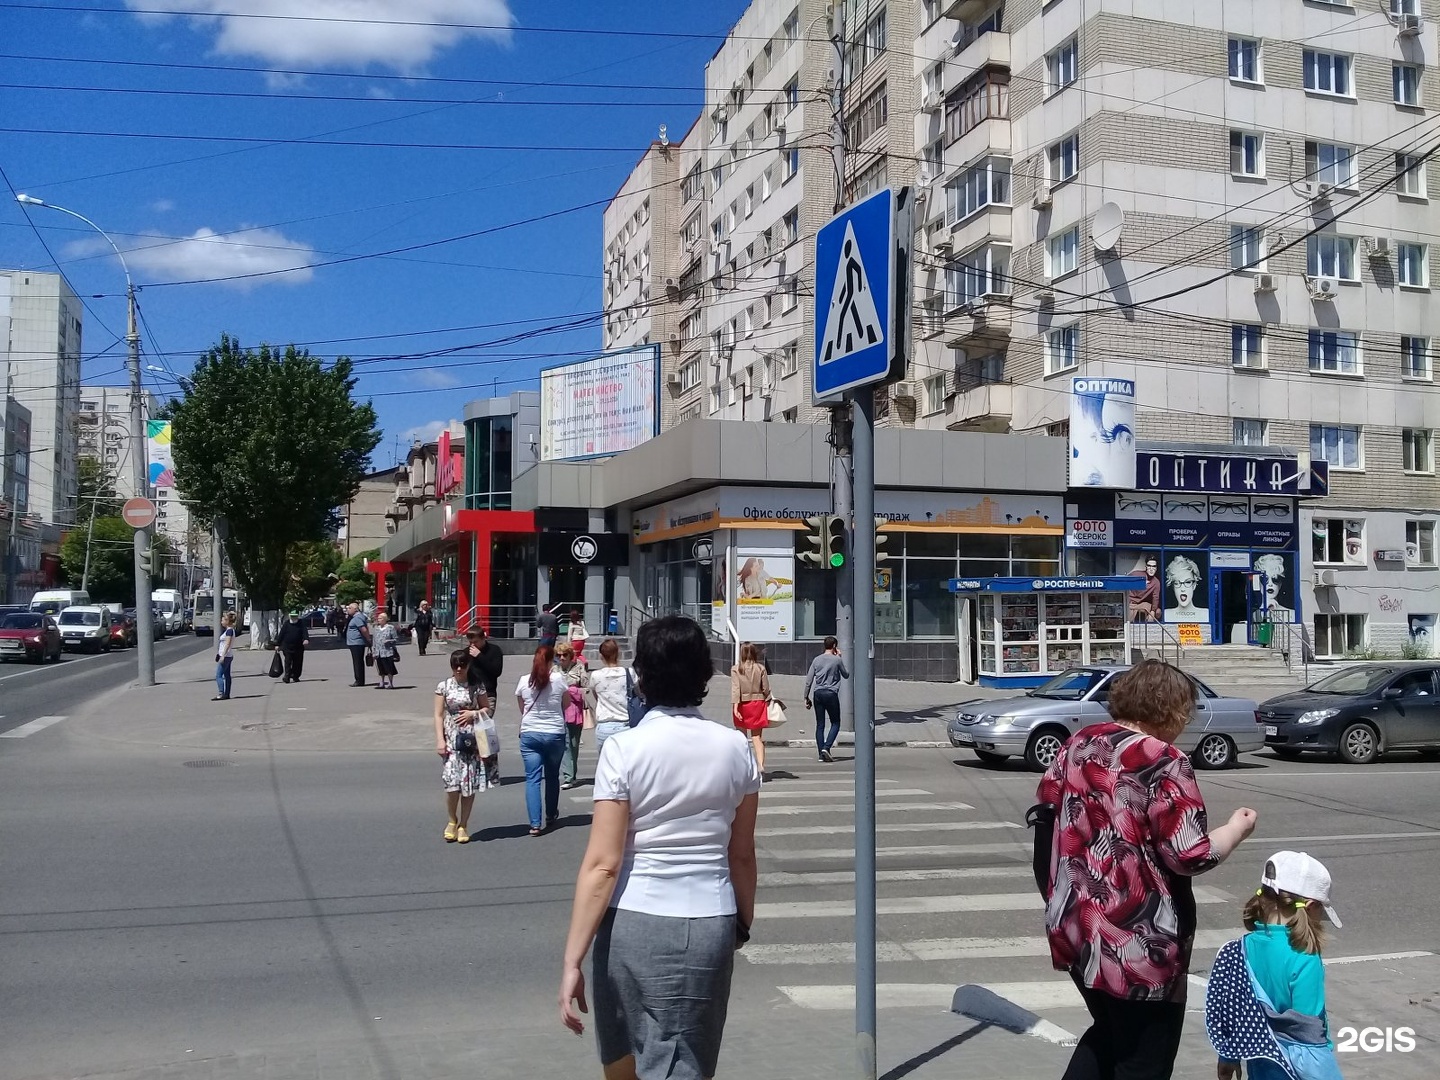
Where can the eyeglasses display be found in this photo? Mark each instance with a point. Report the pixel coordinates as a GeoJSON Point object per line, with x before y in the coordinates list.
{"type": "Point", "coordinates": [1236, 511]}
{"type": "Point", "coordinates": [1279, 510]}
{"type": "Point", "coordinates": [1144, 506]}
{"type": "Point", "coordinates": [1181, 506]}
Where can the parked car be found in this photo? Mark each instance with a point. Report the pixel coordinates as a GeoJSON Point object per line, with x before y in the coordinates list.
{"type": "Point", "coordinates": [31, 635]}
{"type": "Point", "coordinates": [1359, 713]}
{"type": "Point", "coordinates": [157, 625]}
{"type": "Point", "coordinates": [1036, 726]}
{"type": "Point", "coordinates": [122, 630]}
{"type": "Point", "coordinates": [85, 628]}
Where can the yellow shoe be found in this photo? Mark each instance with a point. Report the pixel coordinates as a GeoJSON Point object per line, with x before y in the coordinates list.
{"type": "Point", "coordinates": [461, 835]}
{"type": "Point", "coordinates": [450, 833]}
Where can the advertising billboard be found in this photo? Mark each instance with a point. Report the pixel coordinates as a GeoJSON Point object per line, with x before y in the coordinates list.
{"type": "Point", "coordinates": [1102, 433]}
{"type": "Point", "coordinates": [601, 406]}
{"type": "Point", "coordinates": [157, 446]}
{"type": "Point", "coordinates": [765, 593]}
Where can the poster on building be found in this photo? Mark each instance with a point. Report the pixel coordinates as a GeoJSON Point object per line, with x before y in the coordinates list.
{"type": "Point", "coordinates": [1102, 433]}
{"type": "Point", "coordinates": [764, 586]}
{"type": "Point", "coordinates": [157, 446]}
{"type": "Point", "coordinates": [601, 406]}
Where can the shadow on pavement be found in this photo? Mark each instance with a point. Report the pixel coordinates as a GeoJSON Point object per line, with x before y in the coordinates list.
{"type": "Point", "coordinates": [507, 832]}
{"type": "Point", "coordinates": [905, 1068]}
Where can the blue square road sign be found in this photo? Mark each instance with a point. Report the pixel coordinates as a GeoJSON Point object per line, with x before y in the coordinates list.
{"type": "Point", "coordinates": [855, 266]}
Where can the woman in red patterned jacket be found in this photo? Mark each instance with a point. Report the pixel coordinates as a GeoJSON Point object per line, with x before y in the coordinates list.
{"type": "Point", "coordinates": [1130, 833]}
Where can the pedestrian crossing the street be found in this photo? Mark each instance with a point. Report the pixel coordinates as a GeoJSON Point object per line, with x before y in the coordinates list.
{"type": "Point", "coordinates": [956, 900]}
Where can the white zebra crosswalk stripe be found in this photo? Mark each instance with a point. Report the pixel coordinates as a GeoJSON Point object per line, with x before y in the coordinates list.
{"type": "Point", "coordinates": [889, 826]}
{"type": "Point", "coordinates": [994, 948]}
{"type": "Point", "coordinates": [781, 878]}
{"type": "Point", "coordinates": [1037, 995]}
{"type": "Point", "coordinates": [786, 798]}
{"type": "Point", "coordinates": [916, 851]}
{"type": "Point", "coordinates": [40, 723]}
{"type": "Point", "coordinates": [844, 808]}
{"type": "Point", "coordinates": [770, 793]}
{"type": "Point", "coordinates": [934, 905]}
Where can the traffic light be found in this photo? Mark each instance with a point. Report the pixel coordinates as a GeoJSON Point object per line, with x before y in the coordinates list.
{"type": "Point", "coordinates": [881, 555]}
{"type": "Point", "coordinates": [837, 548]}
{"type": "Point", "coordinates": [147, 559]}
{"type": "Point", "coordinates": [816, 538]}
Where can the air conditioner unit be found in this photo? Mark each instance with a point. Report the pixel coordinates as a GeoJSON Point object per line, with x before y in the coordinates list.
{"type": "Point", "coordinates": [1265, 283]}
{"type": "Point", "coordinates": [673, 380]}
{"type": "Point", "coordinates": [767, 391]}
{"type": "Point", "coordinates": [1042, 198]}
{"type": "Point", "coordinates": [1324, 288]}
{"type": "Point", "coordinates": [902, 391]}
{"type": "Point", "coordinates": [1325, 577]}
{"type": "Point", "coordinates": [1411, 25]}
{"type": "Point", "coordinates": [1379, 247]}
{"type": "Point", "coordinates": [932, 100]}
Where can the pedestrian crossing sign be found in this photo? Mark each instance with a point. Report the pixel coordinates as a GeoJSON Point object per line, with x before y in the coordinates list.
{"type": "Point", "coordinates": [856, 261]}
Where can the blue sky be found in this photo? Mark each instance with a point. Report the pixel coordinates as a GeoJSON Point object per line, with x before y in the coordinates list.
{"type": "Point", "coordinates": [282, 211]}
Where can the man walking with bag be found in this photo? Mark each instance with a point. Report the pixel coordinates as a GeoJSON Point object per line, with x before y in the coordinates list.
{"type": "Point", "coordinates": [291, 643]}
{"type": "Point", "coordinates": [822, 687]}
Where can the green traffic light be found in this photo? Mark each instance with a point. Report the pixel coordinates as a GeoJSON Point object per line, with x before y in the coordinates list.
{"type": "Point", "coordinates": [837, 560]}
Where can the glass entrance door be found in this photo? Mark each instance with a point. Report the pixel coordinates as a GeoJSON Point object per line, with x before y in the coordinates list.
{"type": "Point", "coordinates": [1231, 601]}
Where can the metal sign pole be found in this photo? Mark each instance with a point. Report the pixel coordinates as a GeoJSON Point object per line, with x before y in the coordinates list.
{"type": "Point", "coordinates": [863, 670]}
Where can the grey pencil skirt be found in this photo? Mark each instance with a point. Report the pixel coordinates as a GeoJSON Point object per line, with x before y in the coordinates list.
{"type": "Point", "coordinates": [661, 992]}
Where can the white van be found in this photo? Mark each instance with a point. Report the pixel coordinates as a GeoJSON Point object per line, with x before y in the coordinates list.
{"type": "Point", "coordinates": [53, 601]}
{"type": "Point", "coordinates": [171, 608]}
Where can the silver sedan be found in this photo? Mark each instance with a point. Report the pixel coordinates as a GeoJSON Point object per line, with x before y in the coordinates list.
{"type": "Point", "coordinates": [1036, 726]}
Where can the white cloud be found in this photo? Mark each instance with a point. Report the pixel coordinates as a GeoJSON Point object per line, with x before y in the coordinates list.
{"type": "Point", "coordinates": [163, 206]}
{"type": "Point", "coordinates": [434, 378]}
{"type": "Point", "coordinates": [233, 259]}
{"type": "Point", "coordinates": [336, 32]}
{"type": "Point", "coordinates": [424, 432]}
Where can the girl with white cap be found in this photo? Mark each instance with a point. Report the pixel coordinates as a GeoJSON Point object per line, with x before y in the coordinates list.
{"type": "Point", "coordinates": [1266, 1000]}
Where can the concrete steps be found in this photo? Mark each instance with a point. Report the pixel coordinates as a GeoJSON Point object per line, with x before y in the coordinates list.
{"type": "Point", "coordinates": [1249, 669]}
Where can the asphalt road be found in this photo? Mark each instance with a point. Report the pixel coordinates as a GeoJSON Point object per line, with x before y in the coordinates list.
{"type": "Point", "coordinates": [197, 914]}
{"type": "Point", "coordinates": [30, 691]}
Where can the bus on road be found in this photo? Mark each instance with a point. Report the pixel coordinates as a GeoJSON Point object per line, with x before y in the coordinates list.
{"type": "Point", "coordinates": [203, 606]}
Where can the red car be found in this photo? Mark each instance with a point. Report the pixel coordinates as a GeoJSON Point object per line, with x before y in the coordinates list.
{"type": "Point", "coordinates": [29, 635]}
{"type": "Point", "coordinates": [122, 631]}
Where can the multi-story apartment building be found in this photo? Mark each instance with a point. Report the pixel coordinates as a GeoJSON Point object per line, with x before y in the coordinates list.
{"type": "Point", "coordinates": [40, 326]}
{"type": "Point", "coordinates": [1270, 285]}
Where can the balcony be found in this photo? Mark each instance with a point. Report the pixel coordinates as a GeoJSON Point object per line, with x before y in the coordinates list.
{"type": "Point", "coordinates": [985, 322]}
{"type": "Point", "coordinates": [983, 407]}
{"type": "Point", "coordinates": [989, 137]}
{"type": "Point", "coordinates": [966, 10]}
{"type": "Point", "coordinates": [990, 225]}
{"type": "Point", "coordinates": [989, 49]}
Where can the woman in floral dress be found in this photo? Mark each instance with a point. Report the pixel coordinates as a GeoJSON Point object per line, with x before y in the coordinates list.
{"type": "Point", "coordinates": [460, 708]}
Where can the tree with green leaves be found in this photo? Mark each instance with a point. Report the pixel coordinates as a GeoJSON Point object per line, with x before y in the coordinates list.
{"type": "Point", "coordinates": [112, 559]}
{"type": "Point", "coordinates": [313, 566]}
{"type": "Point", "coordinates": [356, 586]}
{"type": "Point", "coordinates": [273, 442]}
{"type": "Point", "coordinates": [96, 492]}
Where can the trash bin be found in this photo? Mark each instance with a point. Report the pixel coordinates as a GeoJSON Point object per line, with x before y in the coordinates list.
{"type": "Point", "coordinates": [612, 625]}
{"type": "Point", "coordinates": [1263, 632]}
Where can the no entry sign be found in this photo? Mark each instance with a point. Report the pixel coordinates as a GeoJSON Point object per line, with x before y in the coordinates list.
{"type": "Point", "coordinates": [138, 513]}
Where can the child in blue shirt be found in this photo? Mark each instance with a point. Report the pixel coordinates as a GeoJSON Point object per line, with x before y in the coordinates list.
{"type": "Point", "coordinates": [1266, 1000]}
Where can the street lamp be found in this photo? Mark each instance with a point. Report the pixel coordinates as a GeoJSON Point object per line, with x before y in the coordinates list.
{"type": "Point", "coordinates": [144, 615]}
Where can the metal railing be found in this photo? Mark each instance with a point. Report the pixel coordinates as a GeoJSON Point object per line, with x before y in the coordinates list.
{"type": "Point", "coordinates": [1168, 649]}
{"type": "Point", "coordinates": [519, 620]}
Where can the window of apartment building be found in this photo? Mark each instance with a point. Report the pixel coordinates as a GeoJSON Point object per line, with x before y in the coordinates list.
{"type": "Point", "coordinates": [789, 289]}
{"type": "Point", "coordinates": [1245, 60]}
{"type": "Point", "coordinates": [719, 126]}
{"type": "Point", "coordinates": [792, 94]}
{"type": "Point", "coordinates": [791, 30]}
{"type": "Point", "coordinates": [871, 179]}
{"type": "Point", "coordinates": [869, 117]}
{"type": "Point", "coordinates": [1063, 66]}
{"type": "Point", "coordinates": [766, 186]}
{"type": "Point", "coordinates": [1062, 349]}
{"type": "Point", "coordinates": [1338, 541]}
{"type": "Point", "coordinates": [732, 390]}
{"type": "Point", "coordinates": [1328, 73]}
{"type": "Point", "coordinates": [932, 160]}
{"type": "Point", "coordinates": [1404, 7]}
{"type": "Point", "coordinates": [732, 218]}
{"type": "Point", "coordinates": [1405, 79]}
{"type": "Point", "coordinates": [790, 359]}
{"type": "Point", "coordinates": [690, 329]}
{"type": "Point", "coordinates": [1247, 247]}
{"type": "Point", "coordinates": [1337, 636]}
{"type": "Point", "coordinates": [1064, 159]}
{"type": "Point", "coordinates": [976, 188]}
{"type": "Point", "coordinates": [1248, 432]}
{"type": "Point", "coordinates": [747, 323]}
{"type": "Point", "coordinates": [1415, 357]}
{"type": "Point", "coordinates": [1330, 163]}
{"type": "Point", "coordinates": [1062, 253]}
{"type": "Point", "coordinates": [792, 226]}
{"type": "Point", "coordinates": [715, 392]}
{"type": "Point", "coordinates": [973, 276]}
{"type": "Point", "coordinates": [983, 96]}
{"type": "Point", "coordinates": [1247, 153]}
{"type": "Point", "coordinates": [690, 234]}
{"type": "Point", "coordinates": [790, 163]}
{"type": "Point", "coordinates": [1335, 351]}
{"type": "Point", "coordinates": [1247, 346]}
{"type": "Point", "coordinates": [1338, 444]}
{"type": "Point", "coordinates": [1413, 265]}
{"type": "Point", "coordinates": [1418, 450]}
{"type": "Point", "coordinates": [717, 177]}
{"type": "Point", "coordinates": [750, 200]}
{"type": "Point", "coordinates": [866, 45]}
{"type": "Point", "coordinates": [1419, 543]}
{"type": "Point", "coordinates": [690, 374]}
{"type": "Point", "coordinates": [933, 393]}
{"type": "Point", "coordinates": [1410, 175]}
{"type": "Point", "coordinates": [693, 184]}
{"type": "Point", "coordinates": [1328, 255]}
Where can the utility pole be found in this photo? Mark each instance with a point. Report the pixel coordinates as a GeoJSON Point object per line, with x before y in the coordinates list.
{"type": "Point", "coordinates": [144, 612]}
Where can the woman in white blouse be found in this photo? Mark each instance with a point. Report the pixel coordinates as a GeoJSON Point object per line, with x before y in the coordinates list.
{"type": "Point", "coordinates": [666, 891]}
{"type": "Point", "coordinates": [540, 697]}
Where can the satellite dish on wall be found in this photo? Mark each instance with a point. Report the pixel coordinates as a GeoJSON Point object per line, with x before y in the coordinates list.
{"type": "Point", "coordinates": [1109, 223]}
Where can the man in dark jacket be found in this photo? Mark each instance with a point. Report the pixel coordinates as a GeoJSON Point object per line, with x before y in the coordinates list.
{"type": "Point", "coordinates": [486, 660]}
{"type": "Point", "coordinates": [292, 641]}
{"type": "Point", "coordinates": [423, 625]}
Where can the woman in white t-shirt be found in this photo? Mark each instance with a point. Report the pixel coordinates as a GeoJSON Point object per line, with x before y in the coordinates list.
{"type": "Point", "coordinates": [611, 687]}
{"type": "Point", "coordinates": [541, 700]}
{"type": "Point", "coordinates": [666, 891]}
